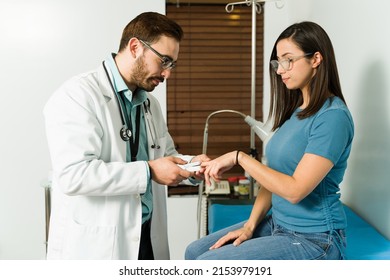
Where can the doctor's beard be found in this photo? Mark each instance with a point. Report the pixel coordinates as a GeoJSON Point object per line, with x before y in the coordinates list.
{"type": "Point", "coordinates": [140, 76]}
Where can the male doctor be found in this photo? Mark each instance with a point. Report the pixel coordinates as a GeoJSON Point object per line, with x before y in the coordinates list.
{"type": "Point", "coordinates": [110, 162]}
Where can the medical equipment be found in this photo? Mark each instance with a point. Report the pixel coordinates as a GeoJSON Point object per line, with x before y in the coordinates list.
{"type": "Point", "coordinates": [152, 128]}
{"type": "Point", "coordinates": [125, 132]}
{"type": "Point", "coordinates": [262, 130]}
{"type": "Point", "coordinates": [256, 9]}
{"type": "Point", "coordinates": [192, 166]}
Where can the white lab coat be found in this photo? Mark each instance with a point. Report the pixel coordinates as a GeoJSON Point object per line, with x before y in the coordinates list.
{"type": "Point", "coordinates": [96, 204]}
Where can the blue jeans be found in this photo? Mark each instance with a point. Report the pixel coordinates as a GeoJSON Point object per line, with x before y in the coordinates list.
{"type": "Point", "coordinates": [271, 242]}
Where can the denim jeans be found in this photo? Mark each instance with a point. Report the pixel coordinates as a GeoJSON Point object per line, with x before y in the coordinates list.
{"type": "Point", "coordinates": [271, 242]}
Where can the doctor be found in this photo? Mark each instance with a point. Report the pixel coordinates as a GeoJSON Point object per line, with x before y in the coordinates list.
{"type": "Point", "coordinates": [111, 151]}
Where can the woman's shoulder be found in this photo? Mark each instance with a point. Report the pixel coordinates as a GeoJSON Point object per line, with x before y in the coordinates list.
{"type": "Point", "coordinates": [335, 109]}
{"type": "Point", "coordinates": [335, 104]}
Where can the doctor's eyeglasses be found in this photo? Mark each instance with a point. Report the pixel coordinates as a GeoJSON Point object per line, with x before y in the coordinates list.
{"type": "Point", "coordinates": [287, 63]}
{"type": "Point", "coordinates": [166, 61]}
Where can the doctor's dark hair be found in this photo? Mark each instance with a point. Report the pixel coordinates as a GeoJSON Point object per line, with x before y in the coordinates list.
{"type": "Point", "coordinates": [150, 26]}
{"type": "Point", "coordinates": [310, 38]}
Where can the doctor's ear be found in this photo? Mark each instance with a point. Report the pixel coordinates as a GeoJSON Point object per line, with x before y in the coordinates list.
{"type": "Point", "coordinates": [134, 46]}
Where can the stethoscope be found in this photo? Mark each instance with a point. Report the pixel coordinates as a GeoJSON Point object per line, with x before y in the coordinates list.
{"type": "Point", "coordinates": [125, 132]}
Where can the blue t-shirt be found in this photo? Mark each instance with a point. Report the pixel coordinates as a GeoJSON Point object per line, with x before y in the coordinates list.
{"type": "Point", "coordinates": [328, 134]}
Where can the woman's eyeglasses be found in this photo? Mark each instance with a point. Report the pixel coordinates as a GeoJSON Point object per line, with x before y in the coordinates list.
{"type": "Point", "coordinates": [287, 63]}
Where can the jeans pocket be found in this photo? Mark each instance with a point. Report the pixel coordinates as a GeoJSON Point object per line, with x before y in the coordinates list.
{"type": "Point", "coordinates": [332, 243]}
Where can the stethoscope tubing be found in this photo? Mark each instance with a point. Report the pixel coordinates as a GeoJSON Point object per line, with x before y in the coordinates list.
{"type": "Point", "coordinates": [152, 128]}
{"type": "Point", "coordinates": [125, 133]}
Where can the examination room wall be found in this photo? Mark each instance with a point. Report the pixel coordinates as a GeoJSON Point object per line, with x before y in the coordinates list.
{"type": "Point", "coordinates": [43, 43]}
{"type": "Point", "coordinates": [361, 41]}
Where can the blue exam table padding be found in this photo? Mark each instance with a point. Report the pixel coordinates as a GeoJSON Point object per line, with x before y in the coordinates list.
{"type": "Point", "coordinates": [364, 242]}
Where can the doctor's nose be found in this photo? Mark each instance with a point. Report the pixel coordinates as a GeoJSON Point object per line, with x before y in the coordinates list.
{"type": "Point", "coordinates": [166, 73]}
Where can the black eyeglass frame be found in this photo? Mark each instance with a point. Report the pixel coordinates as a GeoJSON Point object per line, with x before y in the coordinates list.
{"type": "Point", "coordinates": [166, 61]}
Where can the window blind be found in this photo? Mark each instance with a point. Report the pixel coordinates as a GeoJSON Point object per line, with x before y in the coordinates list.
{"type": "Point", "coordinates": [214, 73]}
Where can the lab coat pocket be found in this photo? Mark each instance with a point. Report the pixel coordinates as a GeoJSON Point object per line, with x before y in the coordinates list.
{"type": "Point", "coordinates": [90, 242]}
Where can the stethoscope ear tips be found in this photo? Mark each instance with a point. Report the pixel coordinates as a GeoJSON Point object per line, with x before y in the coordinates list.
{"type": "Point", "coordinates": [155, 146]}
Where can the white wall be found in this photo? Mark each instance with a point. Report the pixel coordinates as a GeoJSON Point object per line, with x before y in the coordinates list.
{"type": "Point", "coordinates": [43, 43]}
{"type": "Point", "coordinates": [359, 32]}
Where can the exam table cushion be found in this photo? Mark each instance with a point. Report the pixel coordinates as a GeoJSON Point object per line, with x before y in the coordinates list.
{"type": "Point", "coordinates": [364, 242]}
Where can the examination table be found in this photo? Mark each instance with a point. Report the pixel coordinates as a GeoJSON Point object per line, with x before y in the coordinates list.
{"type": "Point", "coordinates": [364, 242]}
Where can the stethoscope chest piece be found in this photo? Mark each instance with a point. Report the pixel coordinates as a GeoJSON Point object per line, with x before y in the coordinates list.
{"type": "Point", "coordinates": [125, 134]}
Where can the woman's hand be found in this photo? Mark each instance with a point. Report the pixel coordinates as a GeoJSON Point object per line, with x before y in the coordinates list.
{"type": "Point", "coordinates": [239, 236]}
{"type": "Point", "coordinates": [200, 158]}
{"type": "Point", "coordinates": [216, 167]}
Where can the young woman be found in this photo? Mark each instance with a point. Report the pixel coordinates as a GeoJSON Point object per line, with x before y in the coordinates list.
{"type": "Point", "coordinates": [307, 158]}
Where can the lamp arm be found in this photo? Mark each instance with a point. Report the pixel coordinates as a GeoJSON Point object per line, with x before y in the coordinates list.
{"type": "Point", "coordinates": [259, 128]}
{"type": "Point", "coordinates": [206, 127]}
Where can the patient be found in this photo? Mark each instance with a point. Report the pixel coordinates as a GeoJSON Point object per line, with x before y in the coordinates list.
{"type": "Point", "coordinates": [307, 158]}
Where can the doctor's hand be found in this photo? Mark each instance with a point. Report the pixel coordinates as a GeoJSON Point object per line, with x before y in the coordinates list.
{"type": "Point", "coordinates": [166, 171]}
{"type": "Point", "coordinates": [214, 169]}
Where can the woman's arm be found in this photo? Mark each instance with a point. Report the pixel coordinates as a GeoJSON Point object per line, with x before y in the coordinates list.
{"type": "Point", "coordinates": [308, 174]}
{"type": "Point", "coordinates": [260, 208]}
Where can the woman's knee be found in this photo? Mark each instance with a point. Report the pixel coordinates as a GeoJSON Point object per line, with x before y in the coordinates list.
{"type": "Point", "coordinates": [191, 251]}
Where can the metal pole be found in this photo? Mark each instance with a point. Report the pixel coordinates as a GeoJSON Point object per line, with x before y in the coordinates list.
{"type": "Point", "coordinates": [253, 80]}
{"type": "Point", "coordinates": [253, 89]}
{"type": "Point", "coordinates": [204, 151]}
{"type": "Point", "coordinates": [47, 213]}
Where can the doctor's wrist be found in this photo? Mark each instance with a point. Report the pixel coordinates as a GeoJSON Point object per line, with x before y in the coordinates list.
{"type": "Point", "coordinates": [149, 171]}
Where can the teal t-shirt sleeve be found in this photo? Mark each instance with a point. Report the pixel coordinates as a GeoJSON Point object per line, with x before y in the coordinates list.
{"type": "Point", "coordinates": [330, 134]}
